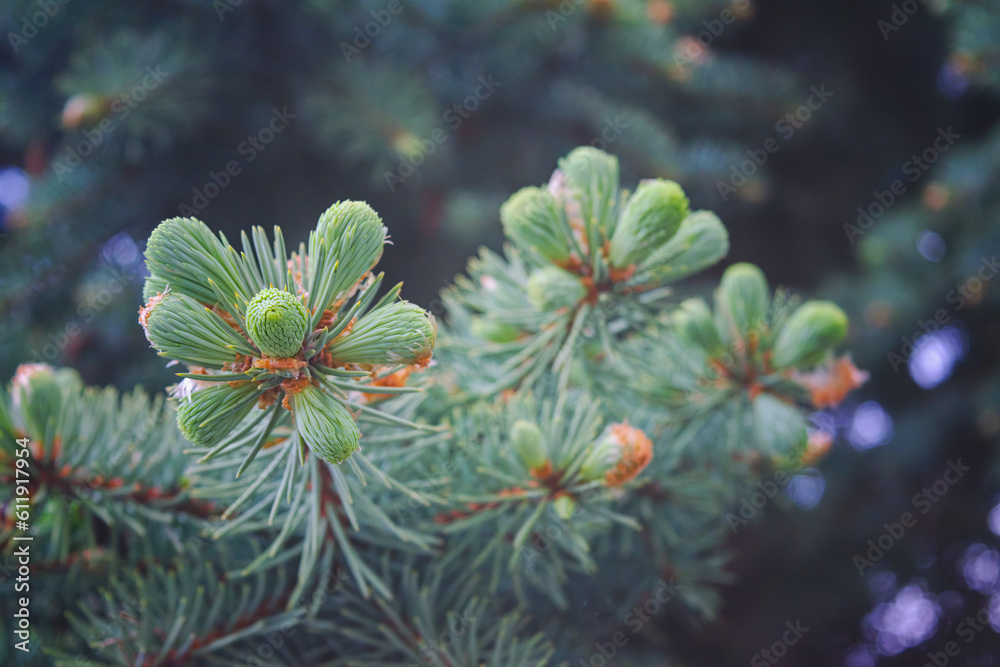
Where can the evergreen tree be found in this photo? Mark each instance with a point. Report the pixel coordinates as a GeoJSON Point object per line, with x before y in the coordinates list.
{"type": "Point", "coordinates": [579, 472]}
{"type": "Point", "coordinates": [579, 418]}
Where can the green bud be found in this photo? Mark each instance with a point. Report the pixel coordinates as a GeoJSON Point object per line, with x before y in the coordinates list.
{"type": "Point", "coordinates": [592, 178]}
{"type": "Point", "coordinates": [496, 332]}
{"type": "Point", "coordinates": [36, 394]}
{"type": "Point", "coordinates": [529, 443]}
{"type": "Point", "coordinates": [604, 453]}
{"type": "Point", "coordinates": [325, 424]}
{"type": "Point", "coordinates": [741, 302]}
{"type": "Point", "coordinates": [551, 288]}
{"type": "Point", "coordinates": [210, 415]}
{"type": "Point", "coordinates": [531, 219]}
{"type": "Point", "coordinates": [277, 322]}
{"type": "Point", "coordinates": [353, 237]}
{"type": "Point", "coordinates": [813, 329]}
{"type": "Point", "coordinates": [619, 454]}
{"type": "Point", "coordinates": [181, 328]}
{"type": "Point", "coordinates": [693, 322]}
{"type": "Point", "coordinates": [183, 253]}
{"type": "Point", "coordinates": [651, 217]}
{"type": "Point", "coordinates": [700, 241]}
{"type": "Point", "coordinates": [586, 167]}
{"type": "Point", "coordinates": [399, 333]}
{"type": "Point", "coordinates": [779, 427]}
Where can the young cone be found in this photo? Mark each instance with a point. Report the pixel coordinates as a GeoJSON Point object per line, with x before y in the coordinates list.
{"type": "Point", "coordinates": [183, 253]}
{"type": "Point", "coordinates": [651, 217]}
{"type": "Point", "coordinates": [36, 393]}
{"type": "Point", "coordinates": [531, 219]}
{"type": "Point", "coordinates": [208, 416]}
{"type": "Point", "coordinates": [701, 241]}
{"type": "Point", "coordinates": [618, 455]}
{"type": "Point", "coordinates": [529, 443]}
{"type": "Point", "coordinates": [399, 333]}
{"type": "Point", "coordinates": [592, 178]}
{"type": "Point", "coordinates": [181, 328]}
{"type": "Point", "coordinates": [551, 288]}
{"type": "Point", "coordinates": [325, 424]}
{"type": "Point", "coordinates": [347, 243]}
{"type": "Point", "coordinates": [277, 322]}
{"type": "Point", "coordinates": [808, 334]}
{"type": "Point", "coordinates": [741, 302]}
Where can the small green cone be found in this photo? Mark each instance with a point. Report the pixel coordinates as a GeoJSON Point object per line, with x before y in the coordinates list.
{"type": "Point", "coordinates": [700, 241]}
{"type": "Point", "coordinates": [693, 322]}
{"type": "Point", "coordinates": [650, 218]}
{"type": "Point", "coordinates": [353, 236]}
{"type": "Point", "coordinates": [325, 424]}
{"type": "Point", "coordinates": [592, 175]}
{"type": "Point", "coordinates": [183, 253]}
{"type": "Point", "coordinates": [741, 302]}
{"type": "Point", "coordinates": [551, 288]}
{"type": "Point", "coordinates": [808, 334]}
{"type": "Point", "coordinates": [779, 427]}
{"type": "Point", "coordinates": [496, 332]}
{"type": "Point", "coordinates": [531, 220]}
{"type": "Point", "coordinates": [36, 393]}
{"type": "Point", "coordinates": [181, 328]}
{"type": "Point", "coordinates": [529, 443]}
{"type": "Point", "coordinates": [586, 166]}
{"type": "Point", "coordinates": [277, 322]}
{"type": "Point", "coordinates": [210, 415]}
{"type": "Point", "coordinates": [398, 333]}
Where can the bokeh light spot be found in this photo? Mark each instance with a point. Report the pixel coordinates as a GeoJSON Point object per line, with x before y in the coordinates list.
{"type": "Point", "coordinates": [871, 426]}
{"type": "Point", "coordinates": [935, 355]}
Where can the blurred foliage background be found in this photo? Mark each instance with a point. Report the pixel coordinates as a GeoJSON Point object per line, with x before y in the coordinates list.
{"type": "Point", "coordinates": [852, 149]}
